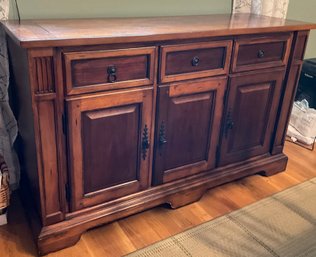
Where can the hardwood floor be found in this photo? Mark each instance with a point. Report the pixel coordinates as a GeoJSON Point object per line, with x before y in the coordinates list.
{"type": "Point", "coordinates": [140, 230]}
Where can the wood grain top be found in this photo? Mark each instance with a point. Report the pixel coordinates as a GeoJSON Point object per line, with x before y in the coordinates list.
{"type": "Point", "coordinates": [69, 32]}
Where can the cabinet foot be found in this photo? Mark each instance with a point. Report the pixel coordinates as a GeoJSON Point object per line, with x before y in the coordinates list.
{"type": "Point", "coordinates": [179, 193]}
{"type": "Point", "coordinates": [276, 168]}
{"type": "Point", "coordinates": [51, 243]}
{"type": "Point", "coordinates": [185, 198]}
{"type": "Point", "coordinates": [268, 173]}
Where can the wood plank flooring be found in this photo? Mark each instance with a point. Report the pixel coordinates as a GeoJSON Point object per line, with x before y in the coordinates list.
{"type": "Point", "coordinates": [140, 230]}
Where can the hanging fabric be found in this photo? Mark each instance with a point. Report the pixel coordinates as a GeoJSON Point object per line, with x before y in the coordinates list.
{"type": "Point", "coordinates": [8, 124]}
{"type": "Point", "coordinates": [274, 8]}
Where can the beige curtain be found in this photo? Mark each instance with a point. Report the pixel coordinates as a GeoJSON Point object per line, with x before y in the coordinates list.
{"type": "Point", "coordinates": [274, 8]}
{"type": "Point", "coordinates": [8, 125]}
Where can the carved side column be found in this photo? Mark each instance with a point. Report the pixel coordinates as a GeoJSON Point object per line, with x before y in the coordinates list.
{"type": "Point", "coordinates": [47, 112]}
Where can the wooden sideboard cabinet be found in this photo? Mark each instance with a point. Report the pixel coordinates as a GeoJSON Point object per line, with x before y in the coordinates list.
{"type": "Point", "coordinates": [120, 115]}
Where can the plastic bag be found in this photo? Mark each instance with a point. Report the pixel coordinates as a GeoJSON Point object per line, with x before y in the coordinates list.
{"type": "Point", "coordinates": [297, 136]}
{"type": "Point", "coordinates": [303, 118]}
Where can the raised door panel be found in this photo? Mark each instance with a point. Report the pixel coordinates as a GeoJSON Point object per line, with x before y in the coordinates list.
{"type": "Point", "coordinates": [110, 132]}
{"type": "Point", "coordinates": [187, 128]}
{"type": "Point", "coordinates": [251, 110]}
{"type": "Point", "coordinates": [109, 146]}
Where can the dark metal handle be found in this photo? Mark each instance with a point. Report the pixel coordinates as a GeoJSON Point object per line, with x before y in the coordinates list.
{"type": "Point", "coordinates": [162, 134]}
{"type": "Point", "coordinates": [145, 142]}
{"type": "Point", "coordinates": [112, 74]}
{"type": "Point", "coordinates": [260, 53]}
{"type": "Point", "coordinates": [229, 122]}
{"type": "Point", "coordinates": [195, 61]}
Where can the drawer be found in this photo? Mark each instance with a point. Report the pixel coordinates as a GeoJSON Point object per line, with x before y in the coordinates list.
{"type": "Point", "coordinates": [91, 71]}
{"type": "Point", "coordinates": [197, 60]}
{"type": "Point", "coordinates": [259, 52]}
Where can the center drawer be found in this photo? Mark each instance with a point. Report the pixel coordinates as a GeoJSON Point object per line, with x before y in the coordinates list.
{"type": "Point", "coordinates": [196, 60]}
{"type": "Point", "coordinates": [91, 71]}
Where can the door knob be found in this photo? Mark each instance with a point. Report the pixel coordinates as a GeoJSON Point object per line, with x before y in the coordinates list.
{"type": "Point", "coordinates": [112, 77]}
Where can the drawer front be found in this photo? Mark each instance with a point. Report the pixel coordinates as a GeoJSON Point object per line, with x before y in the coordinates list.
{"type": "Point", "coordinates": [261, 52]}
{"type": "Point", "coordinates": [179, 62]}
{"type": "Point", "coordinates": [92, 71]}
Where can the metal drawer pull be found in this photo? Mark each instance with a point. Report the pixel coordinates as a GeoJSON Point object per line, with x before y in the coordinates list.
{"type": "Point", "coordinates": [195, 61]}
{"type": "Point", "coordinates": [229, 122]}
{"type": "Point", "coordinates": [162, 134]}
{"type": "Point", "coordinates": [112, 74]}
{"type": "Point", "coordinates": [145, 142]}
{"type": "Point", "coordinates": [260, 53]}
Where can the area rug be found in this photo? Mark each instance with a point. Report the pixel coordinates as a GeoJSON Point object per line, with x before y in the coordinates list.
{"type": "Point", "coordinates": [283, 225]}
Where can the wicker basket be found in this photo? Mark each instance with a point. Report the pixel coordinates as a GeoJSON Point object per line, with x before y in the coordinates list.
{"type": "Point", "coordinates": [4, 190]}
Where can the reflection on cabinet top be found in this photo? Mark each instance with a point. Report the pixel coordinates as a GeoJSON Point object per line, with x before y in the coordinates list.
{"type": "Point", "coordinates": [71, 32]}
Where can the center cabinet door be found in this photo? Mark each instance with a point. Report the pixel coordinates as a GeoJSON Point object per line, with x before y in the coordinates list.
{"type": "Point", "coordinates": [109, 145]}
{"type": "Point", "coordinates": [187, 128]}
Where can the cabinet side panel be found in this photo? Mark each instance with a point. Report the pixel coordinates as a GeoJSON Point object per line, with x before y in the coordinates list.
{"type": "Point", "coordinates": [290, 87]}
{"type": "Point", "coordinates": [33, 101]}
{"type": "Point", "coordinates": [21, 102]}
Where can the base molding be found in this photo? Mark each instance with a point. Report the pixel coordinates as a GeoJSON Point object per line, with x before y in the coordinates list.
{"type": "Point", "coordinates": [66, 233]}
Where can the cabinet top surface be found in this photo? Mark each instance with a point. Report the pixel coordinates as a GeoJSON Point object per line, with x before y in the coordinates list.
{"type": "Point", "coordinates": [69, 32]}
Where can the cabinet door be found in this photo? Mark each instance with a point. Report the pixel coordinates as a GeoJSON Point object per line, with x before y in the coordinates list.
{"type": "Point", "coordinates": [251, 110]}
{"type": "Point", "coordinates": [187, 128]}
{"type": "Point", "coordinates": [109, 145]}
